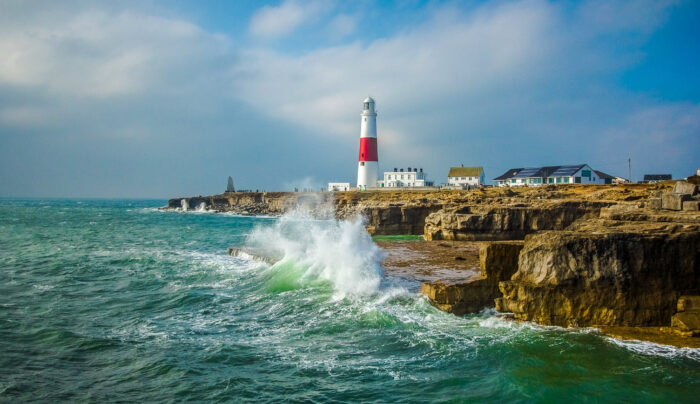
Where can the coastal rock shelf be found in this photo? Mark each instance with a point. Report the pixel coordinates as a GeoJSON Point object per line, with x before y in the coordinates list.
{"type": "Point", "coordinates": [507, 222]}
{"type": "Point", "coordinates": [498, 262]}
{"type": "Point", "coordinates": [621, 258]}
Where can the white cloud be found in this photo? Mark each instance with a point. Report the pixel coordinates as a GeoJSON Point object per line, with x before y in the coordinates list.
{"type": "Point", "coordinates": [270, 22]}
{"type": "Point", "coordinates": [342, 25]}
{"type": "Point", "coordinates": [419, 70]}
{"type": "Point", "coordinates": [98, 54]}
{"type": "Point", "coordinates": [508, 83]}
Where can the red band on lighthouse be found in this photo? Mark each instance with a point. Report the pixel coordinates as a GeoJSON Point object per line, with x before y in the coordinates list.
{"type": "Point", "coordinates": [368, 149]}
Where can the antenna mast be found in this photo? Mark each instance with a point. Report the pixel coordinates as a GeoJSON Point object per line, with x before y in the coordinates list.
{"type": "Point", "coordinates": [629, 168]}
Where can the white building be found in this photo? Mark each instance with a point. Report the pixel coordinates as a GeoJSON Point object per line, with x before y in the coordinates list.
{"type": "Point", "coordinates": [536, 176]}
{"type": "Point", "coordinates": [465, 177]}
{"type": "Point", "coordinates": [338, 186]}
{"type": "Point", "coordinates": [399, 178]}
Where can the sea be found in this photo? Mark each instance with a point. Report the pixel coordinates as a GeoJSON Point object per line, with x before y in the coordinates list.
{"type": "Point", "coordinates": [116, 300]}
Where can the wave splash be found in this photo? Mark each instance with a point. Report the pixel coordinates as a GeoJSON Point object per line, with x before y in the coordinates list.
{"type": "Point", "coordinates": [339, 251]}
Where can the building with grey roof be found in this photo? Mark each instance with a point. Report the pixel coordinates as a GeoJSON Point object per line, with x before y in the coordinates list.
{"type": "Point", "coordinates": [566, 174]}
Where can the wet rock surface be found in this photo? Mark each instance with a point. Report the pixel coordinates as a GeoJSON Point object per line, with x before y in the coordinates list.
{"type": "Point", "coordinates": [425, 261]}
{"type": "Point", "coordinates": [497, 262]}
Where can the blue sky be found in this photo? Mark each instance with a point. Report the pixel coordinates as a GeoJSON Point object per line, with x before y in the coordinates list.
{"type": "Point", "coordinates": [161, 99]}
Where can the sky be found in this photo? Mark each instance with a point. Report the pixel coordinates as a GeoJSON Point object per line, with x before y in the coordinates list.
{"type": "Point", "coordinates": [151, 99]}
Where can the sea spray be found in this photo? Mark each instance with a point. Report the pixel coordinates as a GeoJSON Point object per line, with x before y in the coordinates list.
{"type": "Point", "coordinates": [339, 251]}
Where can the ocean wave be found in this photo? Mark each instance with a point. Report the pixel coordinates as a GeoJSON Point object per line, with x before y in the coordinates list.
{"type": "Point", "coordinates": [339, 251]}
{"type": "Point", "coordinates": [654, 349]}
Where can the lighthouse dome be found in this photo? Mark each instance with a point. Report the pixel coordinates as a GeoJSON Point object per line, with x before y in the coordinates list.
{"type": "Point", "coordinates": [369, 99]}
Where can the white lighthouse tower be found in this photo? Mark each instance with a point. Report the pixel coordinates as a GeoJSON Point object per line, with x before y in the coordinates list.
{"type": "Point", "coordinates": [368, 165]}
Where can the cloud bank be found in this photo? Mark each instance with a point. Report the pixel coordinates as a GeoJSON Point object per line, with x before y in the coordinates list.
{"type": "Point", "coordinates": [125, 100]}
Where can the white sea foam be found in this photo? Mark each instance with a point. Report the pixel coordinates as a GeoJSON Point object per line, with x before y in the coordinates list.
{"type": "Point", "coordinates": [650, 348]}
{"type": "Point", "coordinates": [340, 251]}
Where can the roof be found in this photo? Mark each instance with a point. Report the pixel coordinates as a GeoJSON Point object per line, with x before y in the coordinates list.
{"type": "Point", "coordinates": [566, 171]}
{"type": "Point", "coordinates": [465, 171]}
{"type": "Point", "coordinates": [536, 172]}
{"type": "Point", "coordinates": [657, 177]}
{"type": "Point", "coordinates": [368, 99]}
{"type": "Point", "coordinates": [508, 174]}
{"type": "Point", "coordinates": [603, 175]}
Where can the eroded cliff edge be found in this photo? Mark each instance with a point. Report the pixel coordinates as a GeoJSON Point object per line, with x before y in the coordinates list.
{"type": "Point", "coordinates": [604, 256]}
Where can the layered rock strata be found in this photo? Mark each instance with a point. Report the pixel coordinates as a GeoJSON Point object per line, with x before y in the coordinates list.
{"type": "Point", "coordinates": [498, 262]}
{"type": "Point", "coordinates": [604, 272]}
{"type": "Point", "coordinates": [507, 222]}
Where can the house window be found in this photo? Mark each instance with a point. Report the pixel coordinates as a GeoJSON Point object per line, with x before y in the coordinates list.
{"type": "Point", "coordinates": [362, 163]}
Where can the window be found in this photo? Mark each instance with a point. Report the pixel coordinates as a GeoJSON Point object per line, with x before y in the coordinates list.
{"type": "Point", "coordinates": [362, 163]}
{"type": "Point", "coordinates": [577, 180]}
{"type": "Point", "coordinates": [586, 173]}
{"type": "Point", "coordinates": [566, 180]}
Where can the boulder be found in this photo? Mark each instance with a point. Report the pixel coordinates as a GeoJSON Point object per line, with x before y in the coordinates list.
{"type": "Point", "coordinates": [498, 261]}
{"type": "Point", "coordinates": [674, 201]}
{"type": "Point", "coordinates": [683, 187]}
{"type": "Point", "coordinates": [689, 303]}
{"type": "Point", "coordinates": [654, 203]}
{"type": "Point", "coordinates": [692, 206]}
{"type": "Point", "coordinates": [686, 323]}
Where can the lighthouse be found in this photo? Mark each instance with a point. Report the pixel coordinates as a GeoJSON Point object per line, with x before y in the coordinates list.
{"type": "Point", "coordinates": [368, 165]}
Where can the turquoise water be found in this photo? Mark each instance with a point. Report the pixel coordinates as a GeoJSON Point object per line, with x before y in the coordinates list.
{"type": "Point", "coordinates": [116, 301]}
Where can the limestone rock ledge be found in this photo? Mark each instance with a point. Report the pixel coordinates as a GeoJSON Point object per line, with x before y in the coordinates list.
{"type": "Point", "coordinates": [604, 273]}
{"type": "Point", "coordinates": [498, 262]}
{"type": "Point", "coordinates": [507, 221]}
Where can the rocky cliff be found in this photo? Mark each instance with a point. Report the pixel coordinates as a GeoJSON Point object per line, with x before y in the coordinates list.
{"type": "Point", "coordinates": [498, 261]}
{"type": "Point", "coordinates": [507, 221]}
{"type": "Point", "coordinates": [603, 273]}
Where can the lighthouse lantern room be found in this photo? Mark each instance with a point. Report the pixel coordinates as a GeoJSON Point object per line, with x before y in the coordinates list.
{"type": "Point", "coordinates": [368, 165]}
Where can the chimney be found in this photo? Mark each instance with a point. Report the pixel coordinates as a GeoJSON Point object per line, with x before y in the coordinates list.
{"type": "Point", "coordinates": [402, 170]}
{"type": "Point", "coordinates": [396, 169]}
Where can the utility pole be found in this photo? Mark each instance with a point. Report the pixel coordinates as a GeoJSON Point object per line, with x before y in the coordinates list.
{"type": "Point", "coordinates": [629, 168]}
